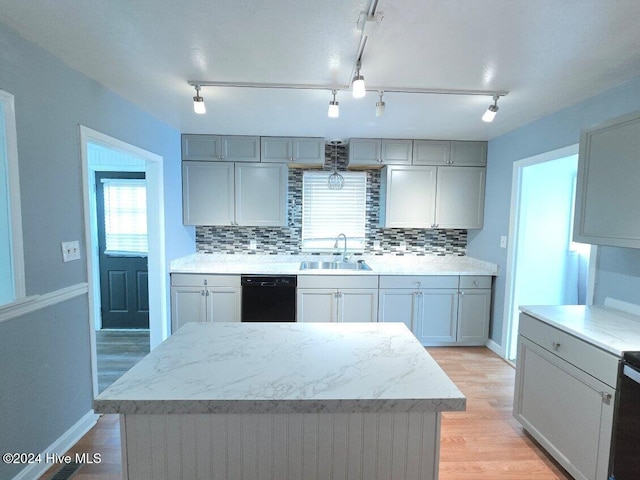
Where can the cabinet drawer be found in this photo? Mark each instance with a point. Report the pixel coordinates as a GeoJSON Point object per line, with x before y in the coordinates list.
{"type": "Point", "coordinates": [337, 281]}
{"type": "Point", "coordinates": [589, 358]}
{"type": "Point", "coordinates": [475, 281]}
{"type": "Point", "coordinates": [198, 280]}
{"type": "Point", "coordinates": [419, 281]}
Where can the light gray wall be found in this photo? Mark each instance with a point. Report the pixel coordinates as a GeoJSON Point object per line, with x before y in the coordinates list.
{"type": "Point", "coordinates": [45, 376]}
{"type": "Point", "coordinates": [555, 131]}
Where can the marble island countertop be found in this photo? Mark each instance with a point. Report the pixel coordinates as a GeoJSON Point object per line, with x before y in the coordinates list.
{"type": "Point", "coordinates": [284, 368]}
{"type": "Point", "coordinates": [610, 329]}
{"type": "Point", "coordinates": [206, 263]}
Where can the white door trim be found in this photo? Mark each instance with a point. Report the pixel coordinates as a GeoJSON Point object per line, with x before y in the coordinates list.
{"type": "Point", "coordinates": [512, 249]}
{"type": "Point", "coordinates": [158, 308]}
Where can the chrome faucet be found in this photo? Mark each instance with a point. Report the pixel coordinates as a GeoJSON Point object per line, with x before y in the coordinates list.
{"type": "Point", "coordinates": [344, 252]}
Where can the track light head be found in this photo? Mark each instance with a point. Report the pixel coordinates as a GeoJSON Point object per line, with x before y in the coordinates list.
{"type": "Point", "coordinates": [380, 105]}
{"type": "Point", "coordinates": [357, 84]}
{"type": "Point", "coordinates": [334, 106]}
{"type": "Point", "coordinates": [198, 102]}
{"type": "Point", "coordinates": [490, 114]}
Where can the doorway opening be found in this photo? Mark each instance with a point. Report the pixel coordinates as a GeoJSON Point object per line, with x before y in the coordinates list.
{"type": "Point", "coordinates": [544, 266]}
{"type": "Point", "coordinates": [129, 318]}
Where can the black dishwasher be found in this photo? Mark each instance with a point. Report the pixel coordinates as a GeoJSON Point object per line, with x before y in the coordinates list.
{"type": "Point", "coordinates": [625, 455]}
{"type": "Point", "coordinates": [268, 298]}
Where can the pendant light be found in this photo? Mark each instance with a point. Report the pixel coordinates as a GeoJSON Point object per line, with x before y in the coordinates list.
{"type": "Point", "coordinates": [335, 181]}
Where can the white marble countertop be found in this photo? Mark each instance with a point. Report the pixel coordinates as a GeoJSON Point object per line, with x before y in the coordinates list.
{"type": "Point", "coordinates": [284, 368]}
{"type": "Point", "coordinates": [206, 263]}
{"type": "Point", "coordinates": [610, 329]}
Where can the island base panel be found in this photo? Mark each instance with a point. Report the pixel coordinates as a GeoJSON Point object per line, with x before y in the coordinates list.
{"type": "Point", "coordinates": [313, 446]}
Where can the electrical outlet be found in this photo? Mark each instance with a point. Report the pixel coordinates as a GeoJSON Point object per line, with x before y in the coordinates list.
{"type": "Point", "coordinates": [403, 246]}
{"type": "Point", "coordinates": [253, 245]}
{"type": "Point", "coordinates": [70, 251]}
{"type": "Point", "coordinates": [376, 244]}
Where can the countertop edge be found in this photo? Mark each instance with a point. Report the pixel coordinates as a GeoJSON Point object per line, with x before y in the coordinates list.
{"type": "Point", "coordinates": [169, 407]}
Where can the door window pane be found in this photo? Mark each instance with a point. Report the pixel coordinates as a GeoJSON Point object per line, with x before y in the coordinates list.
{"type": "Point", "coordinates": [125, 216]}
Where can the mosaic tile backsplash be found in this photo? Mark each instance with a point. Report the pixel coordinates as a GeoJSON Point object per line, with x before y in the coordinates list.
{"type": "Point", "coordinates": [283, 240]}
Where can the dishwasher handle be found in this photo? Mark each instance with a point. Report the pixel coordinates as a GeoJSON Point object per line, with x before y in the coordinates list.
{"type": "Point", "coordinates": [631, 373]}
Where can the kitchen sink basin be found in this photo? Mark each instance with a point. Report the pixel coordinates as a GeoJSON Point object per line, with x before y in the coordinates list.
{"type": "Point", "coordinates": [361, 265]}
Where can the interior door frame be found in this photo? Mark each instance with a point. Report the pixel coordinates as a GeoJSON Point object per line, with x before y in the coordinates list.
{"type": "Point", "coordinates": [158, 307]}
{"type": "Point", "coordinates": [512, 248]}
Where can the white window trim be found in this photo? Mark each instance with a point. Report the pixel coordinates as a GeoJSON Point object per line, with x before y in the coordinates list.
{"type": "Point", "coordinates": [15, 213]}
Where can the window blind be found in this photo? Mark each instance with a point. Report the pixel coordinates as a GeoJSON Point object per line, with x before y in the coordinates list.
{"type": "Point", "coordinates": [327, 213]}
{"type": "Point", "coordinates": [125, 216]}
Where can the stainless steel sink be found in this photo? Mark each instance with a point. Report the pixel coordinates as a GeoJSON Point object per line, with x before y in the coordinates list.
{"type": "Point", "coordinates": [361, 265]}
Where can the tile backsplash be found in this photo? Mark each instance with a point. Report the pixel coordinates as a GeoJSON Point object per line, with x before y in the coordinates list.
{"type": "Point", "coordinates": [286, 240]}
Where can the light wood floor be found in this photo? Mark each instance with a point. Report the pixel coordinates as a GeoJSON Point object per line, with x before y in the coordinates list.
{"type": "Point", "coordinates": [485, 442]}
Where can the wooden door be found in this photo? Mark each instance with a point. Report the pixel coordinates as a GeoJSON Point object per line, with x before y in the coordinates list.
{"type": "Point", "coordinates": [124, 292]}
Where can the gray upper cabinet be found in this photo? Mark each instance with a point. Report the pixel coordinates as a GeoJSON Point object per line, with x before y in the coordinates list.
{"type": "Point", "coordinates": [376, 152]}
{"type": "Point", "coordinates": [460, 197]}
{"type": "Point", "coordinates": [465, 153]}
{"type": "Point", "coordinates": [607, 193]}
{"type": "Point", "coordinates": [233, 148]}
{"type": "Point", "coordinates": [431, 152]}
{"type": "Point", "coordinates": [296, 151]}
{"type": "Point", "coordinates": [229, 193]}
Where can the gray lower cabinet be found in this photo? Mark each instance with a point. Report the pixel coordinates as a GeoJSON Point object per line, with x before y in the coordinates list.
{"type": "Point", "coordinates": [329, 298]}
{"type": "Point", "coordinates": [607, 194]}
{"type": "Point", "coordinates": [564, 397]}
{"type": "Point", "coordinates": [204, 298]}
{"type": "Point", "coordinates": [228, 193]}
{"type": "Point", "coordinates": [439, 310]}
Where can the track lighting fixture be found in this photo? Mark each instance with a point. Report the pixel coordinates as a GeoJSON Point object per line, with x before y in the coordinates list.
{"type": "Point", "coordinates": [357, 84]}
{"type": "Point", "coordinates": [380, 105]}
{"type": "Point", "coordinates": [334, 107]}
{"type": "Point", "coordinates": [198, 102]}
{"type": "Point", "coordinates": [490, 114]}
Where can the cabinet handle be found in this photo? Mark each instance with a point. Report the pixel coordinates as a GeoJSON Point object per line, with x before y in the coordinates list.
{"type": "Point", "coordinates": [555, 345]}
{"type": "Point", "coordinates": [202, 292]}
{"type": "Point", "coordinates": [207, 293]}
{"type": "Point", "coordinates": [462, 293]}
{"type": "Point", "coordinates": [476, 283]}
{"type": "Point", "coordinates": [419, 285]}
{"type": "Point", "coordinates": [606, 397]}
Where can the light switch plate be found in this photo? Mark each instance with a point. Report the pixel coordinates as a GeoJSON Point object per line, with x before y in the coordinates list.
{"type": "Point", "coordinates": [503, 241]}
{"type": "Point", "coordinates": [403, 246]}
{"type": "Point", "coordinates": [376, 244]}
{"type": "Point", "coordinates": [70, 251]}
{"type": "Point", "coordinates": [252, 245]}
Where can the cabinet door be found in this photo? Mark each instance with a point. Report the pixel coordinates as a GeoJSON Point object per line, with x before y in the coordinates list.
{"type": "Point", "coordinates": [201, 147]}
{"type": "Point", "coordinates": [188, 304]}
{"type": "Point", "coordinates": [460, 197]}
{"type": "Point", "coordinates": [607, 194]}
{"type": "Point", "coordinates": [464, 153]}
{"type": "Point", "coordinates": [358, 305]}
{"type": "Point", "coordinates": [438, 317]}
{"type": "Point", "coordinates": [316, 305]}
{"type": "Point", "coordinates": [308, 151]}
{"type": "Point", "coordinates": [398, 305]}
{"type": "Point", "coordinates": [407, 197]}
{"type": "Point", "coordinates": [564, 409]}
{"type": "Point", "coordinates": [223, 304]}
{"type": "Point", "coordinates": [207, 193]}
{"type": "Point", "coordinates": [474, 306]}
{"type": "Point", "coordinates": [396, 152]}
{"type": "Point", "coordinates": [240, 149]}
{"type": "Point", "coordinates": [261, 194]}
{"type": "Point", "coordinates": [276, 149]}
{"type": "Point", "coordinates": [365, 152]}
{"type": "Point", "coordinates": [431, 152]}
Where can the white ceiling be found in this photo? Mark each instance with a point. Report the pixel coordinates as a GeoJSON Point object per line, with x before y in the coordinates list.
{"type": "Point", "coordinates": [548, 54]}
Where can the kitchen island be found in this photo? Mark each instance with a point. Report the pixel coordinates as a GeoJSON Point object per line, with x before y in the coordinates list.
{"type": "Point", "coordinates": [283, 401]}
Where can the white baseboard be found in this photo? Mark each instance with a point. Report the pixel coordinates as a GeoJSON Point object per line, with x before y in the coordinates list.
{"type": "Point", "coordinates": [495, 348]}
{"type": "Point", "coordinates": [59, 447]}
